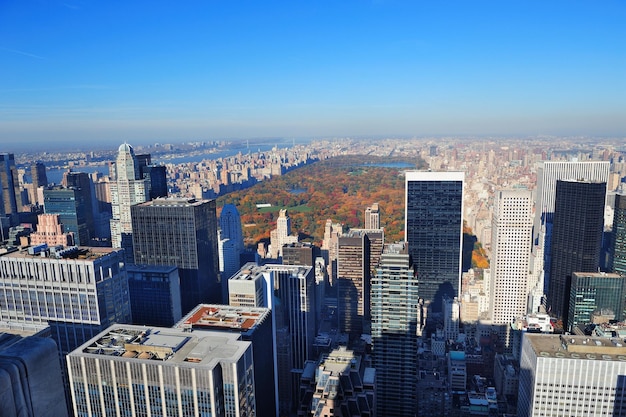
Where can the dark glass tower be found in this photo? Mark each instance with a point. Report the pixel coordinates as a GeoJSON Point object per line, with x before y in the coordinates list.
{"type": "Point", "coordinates": [10, 187]}
{"type": "Point", "coordinates": [595, 293]}
{"type": "Point", "coordinates": [39, 178]}
{"type": "Point", "coordinates": [180, 233]}
{"type": "Point", "coordinates": [83, 186]}
{"type": "Point", "coordinates": [617, 250]}
{"type": "Point", "coordinates": [434, 233]}
{"type": "Point", "coordinates": [70, 205]}
{"type": "Point", "coordinates": [576, 238]}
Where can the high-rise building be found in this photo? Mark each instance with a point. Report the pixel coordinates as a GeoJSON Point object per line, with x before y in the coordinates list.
{"type": "Point", "coordinates": [230, 225]}
{"type": "Point", "coordinates": [157, 180]}
{"type": "Point", "coordinates": [281, 235]}
{"type": "Point", "coordinates": [576, 238]}
{"type": "Point", "coordinates": [510, 254]}
{"type": "Point", "coordinates": [252, 324]}
{"type": "Point", "coordinates": [596, 297]}
{"type": "Point", "coordinates": [567, 375]}
{"type": "Point", "coordinates": [50, 231]}
{"type": "Point", "coordinates": [30, 377]}
{"type": "Point", "coordinates": [299, 254]}
{"type": "Point", "coordinates": [154, 295]}
{"type": "Point", "coordinates": [548, 173]}
{"type": "Point", "coordinates": [289, 290]}
{"type": "Point", "coordinates": [10, 187]}
{"type": "Point", "coordinates": [617, 247]}
{"type": "Point", "coordinates": [77, 292]}
{"type": "Point", "coordinates": [434, 233]}
{"type": "Point", "coordinates": [81, 183]}
{"type": "Point", "coordinates": [70, 205]}
{"type": "Point", "coordinates": [395, 324]}
{"type": "Point", "coordinates": [39, 179]}
{"type": "Point", "coordinates": [182, 233]}
{"type": "Point", "coordinates": [372, 217]}
{"type": "Point", "coordinates": [342, 383]}
{"type": "Point", "coordinates": [353, 282]}
{"type": "Point", "coordinates": [137, 370]}
{"type": "Point", "coordinates": [127, 189]}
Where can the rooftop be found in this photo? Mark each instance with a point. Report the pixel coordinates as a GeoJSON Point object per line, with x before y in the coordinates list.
{"type": "Point", "coordinates": [577, 347]}
{"type": "Point", "coordinates": [214, 316]}
{"type": "Point", "coordinates": [60, 252]}
{"type": "Point", "coordinates": [251, 271]}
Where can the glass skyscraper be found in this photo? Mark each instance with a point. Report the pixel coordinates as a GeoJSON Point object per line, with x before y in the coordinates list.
{"type": "Point", "coordinates": [434, 232]}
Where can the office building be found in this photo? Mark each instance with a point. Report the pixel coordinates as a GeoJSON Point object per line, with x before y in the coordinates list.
{"type": "Point", "coordinates": [510, 255]}
{"type": "Point", "coordinates": [154, 292]}
{"type": "Point", "coordinates": [39, 179]}
{"type": "Point", "coordinates": [81, 183]}
{"type": "Point", "coordinates": [182, 233]}
{"type": "Point", "coordinates": [10, 187]}
{"type": "Point", "coordinates": [372, 217]}
{"type": "Point", "coordinates": [70, 205]}
{"type": "Point", "coordinates": [617, 247]}
{"type": "Point", "coordinates": [127, 188]}
{"type": "Point", "coordinates": [341, 383]}
{"type": "Point", "coordinates": [548, 173]}
{"type": "Point", "coordinates": [77, 292]}
{"type": "Point", "coordinates": [395, 324]}
{"type": "Point", "coordinates": [577, 376]}
{"type": "Point", "coordinates": [156, 175]}
{"type": "Point", "coordinates": [230, 225]}
{"type": "Point", "coordinates": [289, 290]}
{"type": "Point", "coordinates": [252, 324]}
{"type": "Point", "coordinates": [281, 235]}
{"type": "Point", "coordinates": [299, 254]}
{"type": "Point", "coordinates": [51, 232]}
{"type": "Point", "coordinates": [595, 297]}
{"type": "Point", "coordinates": [576, 238]}
{"type": "Point", "coordinates": [434, 232]}
{"type": "Point", "coordinates": [30, 376]}
{"type": "Point", "coordinates": [353, 283]}
{"type": "Point", "coordinates": [137, 370]}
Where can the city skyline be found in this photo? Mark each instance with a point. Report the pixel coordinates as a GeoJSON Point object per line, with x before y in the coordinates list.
{"type": "Point", "coordinates": [76, 71]}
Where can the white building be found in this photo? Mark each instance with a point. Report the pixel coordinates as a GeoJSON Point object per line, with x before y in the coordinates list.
{"type": "Point", "coordinates": [511, 247]}
{"type": "Point", "coordinates": [137, 370]}
{"type": "Point", "coordinates": [281, 235]}
{"type": "Point", "coordinates": [564, 375]}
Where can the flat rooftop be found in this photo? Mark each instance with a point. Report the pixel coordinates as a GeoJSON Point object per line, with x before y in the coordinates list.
{"type": "Point", "coordinates": [577, 347]}
{"type": "Point", "coordinates": [173, 346]}
{"type": "Point", "coordinates": [217, 316]}
{"type": "Point", "coordinates": [252, 271]}
{"type": "Point", "coordinates": [75, 252]}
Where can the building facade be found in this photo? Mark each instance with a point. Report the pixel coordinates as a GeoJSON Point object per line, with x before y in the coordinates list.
{"type": "Point", "coordinates": [182, 233]}
{"type": "Point", "coordinates": [595, 297]}
{"type": "Point", "coordinates": [353, 282]}
{"type": "Point", "coordinates": [434, 232]}
{"type": "Point", "coordinates": [617, 248]}
{"type": "Point", "coordinates": [10, 187]}
{"type": "Point", "coordinates": [154, 295]}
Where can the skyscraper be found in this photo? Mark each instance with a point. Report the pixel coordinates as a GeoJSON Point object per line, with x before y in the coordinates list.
{"type": "Point", "coordinates": [281, 235]}
{"type": "Point", "coordinates": [11, 201]}
{"type": "Point", "coordinates": [548, 173]}
{"type": "Point", "coordinates": [127, 189]}
{"type": "Point", "coordinates": [594, 297]}
{"type": "Point", "coordinates": [70, 205]}
{"type": "Point", "coordinates": [510, 255]}
{"type": "Point", "coordinates": [39, 179]}
{"type": "Point", "coordinates": [576, 238]}
{"type": "Point", "coordinates": [395, 323]}
{"type": "Point", "coordinates": [230, 224]}
{"type": "Point", "coordinates": [617, 248]}
{"type": "Point", "coordinates": [81, 183]}
{"type": "Point", "coordinates": [137, 370]}
{"type": "Point", "coordinates": [353, 282]}
{"type": "Point", "coordinates": [182, 233]}
{"type": "Point", "coordinates": [154, 294]}
{"type": "Point", "coordinates": [372, 217]}
{"type": "Point", "coordinates": [434, 232]}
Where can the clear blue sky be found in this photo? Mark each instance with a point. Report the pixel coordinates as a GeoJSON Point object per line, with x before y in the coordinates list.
{"type": "Point", "coordinates": [114, 71]}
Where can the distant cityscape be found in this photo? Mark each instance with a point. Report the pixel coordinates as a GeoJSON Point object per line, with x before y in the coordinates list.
{"type": "Point", "coordinates": [127, 289]}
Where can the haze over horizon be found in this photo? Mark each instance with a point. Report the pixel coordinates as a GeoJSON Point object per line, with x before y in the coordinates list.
{"type": "Point", "coordinates": [79, 71]}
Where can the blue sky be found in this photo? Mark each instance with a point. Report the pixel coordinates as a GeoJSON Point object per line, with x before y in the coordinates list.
{"type": "Point", "coordinates": [136, 71]}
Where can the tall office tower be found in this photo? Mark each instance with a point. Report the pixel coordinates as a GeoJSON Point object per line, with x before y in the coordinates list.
{"type": "Point", "coordinates": [30, 377]}
{"type": "Point", "coordinates": [252, 324]}
{"type": "Point", "coordinates": [332, 231]}
{"type": "Point", "coordinates": [127, 189]}
{"type": "Point", "coordinates": [510, 251]}
{"type": "Point", "coordinates": [281, 235]}
{"type": "Point", "coordinates": [617, 247]}
{"type": "Point", "coordinates": [77, 292]}
{"type": "Point", "coordinates": [548, 173]}
{"type": "Point", "coordinates": [577, 376]}
{"type": "Point", "coordinates": [451, 318]}
{"type": "Point", "coordinates": [136, 370]}
{"type": "Point", "coordinates": [11, 203]}
{"type": "Point", "coordinates": [372, 217]}
{"type": "Point", "coordinates": [395, 324]}
{"type": "Point", "coordinates": [353, 282]}
{"type": "Point", "coordinates": [596, 297]}
{"type": "Point", "coordinates": [39, 179]}
{"type": "Point", "coordinates": [434, 232]}
{"type": "Point", "coordinates": [183, 233]}
{"type": "Point", "coordinates": [341, 383]}
{"type": "Point", "coordinates": [70, 205]}
{"type": "Point", "coordinates": [157, 180]}
{"type": "Point", "coordinates": [230, 225]}
{"type": "Point", "coordinates": [154, 292]}
{"type": "Point", "coordinates": [576, 238]}
{"type": "Point", "coordinates": [299, 254]}
{"type": "Point", "coordinates": [290, 292]}
{"type": "Point", "coordinates": [83, 186]}
{"type": "Point", "coordinates": [50, 231]}
{"type": "Point", "coordinates": [377, 243]}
